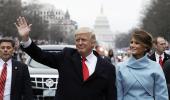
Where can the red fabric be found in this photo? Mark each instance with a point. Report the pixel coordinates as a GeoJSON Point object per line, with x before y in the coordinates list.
{"type": "Point", "coordinates": [160, 61]}
{"type": "Point", "coordinates": [3, 80]}
{"type": "Point", "coordinates": [85, 69]}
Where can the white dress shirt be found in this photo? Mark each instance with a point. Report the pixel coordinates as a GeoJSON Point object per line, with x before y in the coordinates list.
{"type": "Point", "coordinates": [7, 91]}
{"type": "Point", "coordinates": [157, 57]}
{"type": "Point", "coordinates": [91, 61]}
{"type": "Point", "coordinates": [26, 44]}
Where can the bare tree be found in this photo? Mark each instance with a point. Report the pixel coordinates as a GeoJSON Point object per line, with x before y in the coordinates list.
{"type": "Point", "coordinates": [10, 10]}
{"type": "Point", "coordinates": [122, 40]}
{"type": "Point", "coordinates": [55, 34]}
{"type": "Point", "coordinates": [157, 18]}
{"type": "Point", "coordinates": [39, 26]}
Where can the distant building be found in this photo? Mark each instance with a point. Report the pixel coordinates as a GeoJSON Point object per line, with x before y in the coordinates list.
{"type": "Point", "coordinates": [50, 14]}
{"type": "Point", "coordinates": [69, 25]}
{"type": "Point", "coordinates": [104, 35]}
{"type": "Point", "coordinates": [56, 18]}
{"type": "Point", "coordinates": [9, 11]}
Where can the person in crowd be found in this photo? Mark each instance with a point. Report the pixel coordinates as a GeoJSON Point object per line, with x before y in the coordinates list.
{"type": "Point", "coordinates": [140, 78]}
{"type": "Point", "coordinates": [166, 69]}
{"type": "Point", "coordinates": [167, 50]}
{"type": "Point", "coordinates": [159, 55]}
{"type": "Point", "coordinates": [111, 56]}
{"type": "Point", "coordinates": [14, 76]}
{"type": "Point", "coordinates": [83, 74]}
{"type": "Point", "coordinates": [101, 51]}
{"type": "Point", "coordinates": [127, 55]}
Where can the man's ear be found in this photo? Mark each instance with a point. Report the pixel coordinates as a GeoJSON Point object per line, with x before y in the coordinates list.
{"type": "Point", "coordinates": [94, 43]}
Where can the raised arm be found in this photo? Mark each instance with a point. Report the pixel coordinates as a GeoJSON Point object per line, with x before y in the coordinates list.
{"type": "Point", "coordinates": [23, 28]}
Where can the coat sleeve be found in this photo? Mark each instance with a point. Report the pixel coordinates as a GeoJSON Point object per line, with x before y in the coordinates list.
{"type": "Point", "coordinates": [160, 86]}
{"type": "Point", "coordinates": [27, 90]}
{"type": "Point", "coordinates": [166, 69]}
{"type": "Point", "coordinates": [111, 93]}
{"type": "Point", "coordinates": [51, 59]}
{"type": "Point", "coordinates": [119, 84]}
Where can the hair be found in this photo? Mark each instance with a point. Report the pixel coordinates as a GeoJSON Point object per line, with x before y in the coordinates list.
{"type": "Point", "coordinates": [156, 39]}
{"type": "Point", "coordinates": [86, 30]}
{"type": "Point", "coordinates": [110, 53]}
{"type": "Point", "coordinates": [143, 37]}
{"type": "Point", "coordinates": [7, 39]}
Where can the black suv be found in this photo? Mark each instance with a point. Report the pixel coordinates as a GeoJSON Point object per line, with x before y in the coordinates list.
{"type": "Point", "coordinates": [43, 78]}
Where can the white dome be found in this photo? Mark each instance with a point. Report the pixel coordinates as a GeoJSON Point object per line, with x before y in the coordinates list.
{"type": "Point", "coordinates": [102, 31]}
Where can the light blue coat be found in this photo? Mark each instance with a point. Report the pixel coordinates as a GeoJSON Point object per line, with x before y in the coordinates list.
{"type": "Point", "coordinates": [140, 79]}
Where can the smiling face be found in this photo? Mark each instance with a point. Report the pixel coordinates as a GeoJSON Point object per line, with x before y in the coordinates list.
{"type": "Point", "coordinates": [84, 44]}
{"type": "Point", "coordinates": [140, 44]}
{"type": "Point", "coordinates": [84, 41]}
{"type": "Point", "coordinates": [6, 51]}
{"type": "Point", "coordinates": [137, 48]}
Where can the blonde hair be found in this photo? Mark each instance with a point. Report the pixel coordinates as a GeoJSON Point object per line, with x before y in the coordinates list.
{"type": "Point", "coordinates": [86, 30]}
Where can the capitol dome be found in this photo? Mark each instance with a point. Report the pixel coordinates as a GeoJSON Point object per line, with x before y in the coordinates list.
{"type": "Point", "coordinates": [102, 30]}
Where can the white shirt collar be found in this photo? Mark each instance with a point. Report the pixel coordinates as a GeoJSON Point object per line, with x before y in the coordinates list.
{"type": "Point", "coordinates": [157, 56]}
{"type": "Point", "coordinates": [90, 56]}
{"type": "Point", "coordinates": [9, 62]}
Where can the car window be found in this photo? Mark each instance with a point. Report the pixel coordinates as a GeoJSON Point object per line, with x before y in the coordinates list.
{"type": "Point", "coordinates": [35, 64]}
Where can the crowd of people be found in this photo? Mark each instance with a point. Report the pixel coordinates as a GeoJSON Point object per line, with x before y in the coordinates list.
{"type": "Point", "coordinates": [86, 73]}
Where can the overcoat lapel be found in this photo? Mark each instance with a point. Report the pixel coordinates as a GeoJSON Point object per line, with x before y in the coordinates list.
{"type": "Point", "coordinates": [131, 81]}
{"type": "Point", "coordinates": [142, 82]}
{"type": "Point", "coordinates": [153, 57]}
{"type": "Point", "coordinates": [166, 57]}
{"type": "Point", "coordinates": [14, 73]}
{"type": "Point", "coordinates": [98, 69]}
{"type": "Point", "coordinates": [77, 65]}
{"type": "Point", "coordinates": [140, 64]}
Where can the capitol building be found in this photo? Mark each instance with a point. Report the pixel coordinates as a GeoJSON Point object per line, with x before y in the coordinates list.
{"type": "Point", "coordinates": [104, 35]}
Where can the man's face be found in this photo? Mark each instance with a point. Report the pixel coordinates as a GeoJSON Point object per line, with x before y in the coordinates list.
{"type": "Point", "coordinates": [161, 45]}
{"type": "Point", "coordinates": [84, 43]}
{"type": "Point", "coordinates": [6, 51]}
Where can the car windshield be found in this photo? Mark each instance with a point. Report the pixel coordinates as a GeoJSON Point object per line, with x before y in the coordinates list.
{"type": "Point", "coordinates": [35, 64]}
{"type": "Point", "coordinates": [48, 48]}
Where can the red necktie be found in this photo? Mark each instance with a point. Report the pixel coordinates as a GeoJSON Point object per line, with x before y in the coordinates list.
{"type": "Point", "coordinates": [85, 69]}
{"type": "Point", "coordinates": [3, 80]}
{"type": "Point", "coordinates": [160, 61]}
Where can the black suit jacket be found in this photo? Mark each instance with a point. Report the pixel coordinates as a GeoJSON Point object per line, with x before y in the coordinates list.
{"type": "Point", "coordinates": [99, 86]}
{"type": "Point", "coordinates": [107, 59]}
{"type": "Point", "coordinates": [166, 69]}
{"type": "Point", "coordinates": [20, 86]}
{"type": "Point", "coordinates": [166, 57]}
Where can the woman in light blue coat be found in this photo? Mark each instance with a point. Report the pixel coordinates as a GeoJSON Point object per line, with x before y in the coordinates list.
{"type": "Point", "coordinates": [140, 78]}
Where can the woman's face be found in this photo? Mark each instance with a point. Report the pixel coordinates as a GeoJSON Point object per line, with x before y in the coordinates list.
{"type": "Point", "coordinates": [137, 48]}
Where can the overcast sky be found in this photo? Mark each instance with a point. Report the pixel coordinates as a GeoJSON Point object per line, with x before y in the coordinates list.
{"type": "Point", "coordinates": [122, 14]}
